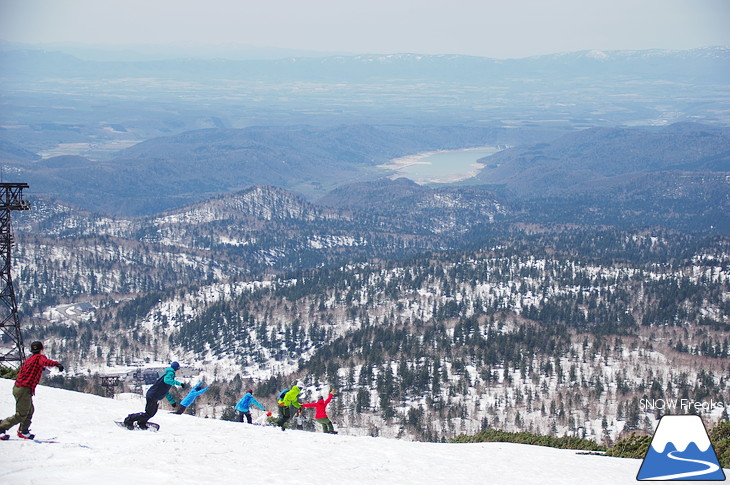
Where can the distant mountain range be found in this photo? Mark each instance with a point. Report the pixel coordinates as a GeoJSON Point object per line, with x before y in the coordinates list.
{"type": "Point", "coordinates": [680, 170]}
{"type": "Point", "coordinates": [610, 160]}
{"type": "Point", "coordinates": [169, 172]}
{"type": "Point", "coordinates": [699, 65]}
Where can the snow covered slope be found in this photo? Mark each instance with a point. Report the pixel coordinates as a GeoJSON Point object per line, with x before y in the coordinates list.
{"type": "Point", "coordinates": [193, 450]}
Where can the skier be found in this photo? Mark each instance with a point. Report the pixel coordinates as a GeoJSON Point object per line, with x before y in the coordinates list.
{"type": "Point", "coordinates": [24, 389]}
{"type": "Point", "coordinates": [287, 399]}
{"type": "Point", "coordinates": [320, 415]}
{"type": "Point", "coordinates": [159, 389]}
{"type": "Point", "coordinates": [190, 398]}
{"type": "Point", "coordinates": [243, 406]}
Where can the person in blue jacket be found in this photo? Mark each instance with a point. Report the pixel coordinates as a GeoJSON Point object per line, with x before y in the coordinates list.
{"type": "Point", "coordinates": [160, 389]}
{"type": "Point", "coordinates": [190, 398]}
{"type": "Point", "coordinates": [244, 405]}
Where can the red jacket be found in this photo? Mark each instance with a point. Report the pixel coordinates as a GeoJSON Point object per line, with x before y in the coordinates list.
{"type": "Point", "coordinates": [30, 372]}
{"type": "Point", "coordinates": [320, 407]}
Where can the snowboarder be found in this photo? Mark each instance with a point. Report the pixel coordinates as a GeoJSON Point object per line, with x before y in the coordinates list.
{"type": "Point", "coordinates": [287, 399]}
{"type": "Point", "coordinates": [159, 389]}
{"type": "Point", "coordinates": [320, 415]}
{"type": "Point", "coordinates": [24, 389]}
{"type": "Point", "coordinates": [244, 405]}
{"type": "Point", "coordinates": [190, 398]}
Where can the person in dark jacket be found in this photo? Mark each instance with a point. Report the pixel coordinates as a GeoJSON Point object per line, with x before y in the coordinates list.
{"type": "Point", "coordinates": [244, 405]}
{"type": "Point", "coordinates": [28, 378]}
{"type": "Point", "coordinates": [159, 389]}
{"type": "Point", "coordinates": [190, 398]}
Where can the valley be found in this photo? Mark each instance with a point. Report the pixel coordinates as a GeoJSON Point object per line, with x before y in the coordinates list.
{"type": "Point", "coordinates": [247, 228]}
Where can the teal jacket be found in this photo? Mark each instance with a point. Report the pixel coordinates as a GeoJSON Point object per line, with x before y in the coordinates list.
{"type": "Point", "coordinates": [161, 388]}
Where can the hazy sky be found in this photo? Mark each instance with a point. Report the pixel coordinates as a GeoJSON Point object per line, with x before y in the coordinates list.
{"type": "Point", "coordinates": [491, 28]}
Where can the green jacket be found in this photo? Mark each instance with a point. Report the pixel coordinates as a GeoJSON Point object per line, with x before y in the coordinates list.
{"type": "Point", "coordinates": [291, 398]}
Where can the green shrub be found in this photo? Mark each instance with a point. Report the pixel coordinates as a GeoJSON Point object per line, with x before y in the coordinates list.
{"type": "Point", "coordinates": [523, 437]}
{"type": "Point", "coordinates": [720, 438]}
{"type": "Point", "coordinates": [634, 446]}
{"type": "Point", "coordinates": [8, 373]}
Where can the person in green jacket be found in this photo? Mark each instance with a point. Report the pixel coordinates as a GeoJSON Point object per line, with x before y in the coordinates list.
{"type": "Point", "coordinates": [286, 401]}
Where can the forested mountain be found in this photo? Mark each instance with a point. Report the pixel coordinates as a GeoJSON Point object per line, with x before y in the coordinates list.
{"type": "Point", "coordinates": [535, 335]}
{"type": "Point", "coordinates": [427, 329]}
{"type": "Point", "coordinates": [610, 160]}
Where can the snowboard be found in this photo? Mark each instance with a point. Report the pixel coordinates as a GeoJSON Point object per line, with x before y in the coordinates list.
{"type": "Point", "coordinates": [34, 440]}
{"type": "Point", "coordinates": [150, 426]}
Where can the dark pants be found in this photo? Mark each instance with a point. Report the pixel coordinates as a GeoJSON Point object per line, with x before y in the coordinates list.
{"type": "Point", "coordinates": [284, 415]}
{"type": "Point", "coordinates": [247, 414]}
{"type": "Point", "coordinates": [180, 409]}
{"type": "Point", "coordinates": [141, 418]}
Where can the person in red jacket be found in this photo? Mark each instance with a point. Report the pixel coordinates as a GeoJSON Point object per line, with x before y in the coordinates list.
{"type": "Point", "coordinates": [320, 414]}
{"type": "Point", "coordinates": [24, 389]}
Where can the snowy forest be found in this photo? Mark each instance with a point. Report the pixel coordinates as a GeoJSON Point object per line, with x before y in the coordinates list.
{"type": "Point", "coordinates": [563, 334]}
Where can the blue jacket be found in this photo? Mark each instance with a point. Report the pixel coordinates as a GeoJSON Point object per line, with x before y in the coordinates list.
{"type": "Point", "coordinates": [245, 403]}
{"type": "Point", "coordinates": [161, 388]}
{"type": "Point", "coordinates": [193, 394]}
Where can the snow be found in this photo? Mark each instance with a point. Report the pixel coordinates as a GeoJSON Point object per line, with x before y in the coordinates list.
{"type": "Point", "coordinates": [681, 431]}
{"type": "Point", "coordinates": [190, 449]}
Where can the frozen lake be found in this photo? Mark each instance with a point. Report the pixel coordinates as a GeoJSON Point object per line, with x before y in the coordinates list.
{"type": "Point", "coordinates": [441, 166]}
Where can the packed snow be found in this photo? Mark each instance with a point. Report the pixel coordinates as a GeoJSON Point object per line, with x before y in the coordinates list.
{"type": "Point", "coordinates": [90, 448]}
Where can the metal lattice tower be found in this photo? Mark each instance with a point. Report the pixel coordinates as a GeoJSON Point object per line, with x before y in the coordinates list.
{"type": "Point", "coordinates": [11, 198]}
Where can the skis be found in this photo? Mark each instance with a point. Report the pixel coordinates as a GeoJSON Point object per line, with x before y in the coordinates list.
{"type": "Point", "coordinates": [150, 426]}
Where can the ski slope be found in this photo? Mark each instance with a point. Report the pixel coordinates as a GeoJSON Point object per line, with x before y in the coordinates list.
{"type": "Point", "coordinates": [91, 449]}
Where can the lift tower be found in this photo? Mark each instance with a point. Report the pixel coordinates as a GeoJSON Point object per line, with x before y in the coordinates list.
{"type": "Point", "coordinates": [11, 339]}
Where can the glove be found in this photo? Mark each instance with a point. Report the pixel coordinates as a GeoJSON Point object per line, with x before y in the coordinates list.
{"type": "Point", "coordinates": [332, 391]}
{"type": "Point", "coordinates": [183, 385]}
{"type": "Point", "coordinates": [60, 368]}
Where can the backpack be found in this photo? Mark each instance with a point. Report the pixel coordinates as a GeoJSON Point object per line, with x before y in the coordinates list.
{"type": "Point", "coordinates": [282, 394]}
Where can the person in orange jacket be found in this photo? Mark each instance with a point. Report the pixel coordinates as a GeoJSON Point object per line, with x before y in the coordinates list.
{"type": "Point", "coordinates": [320, 414]}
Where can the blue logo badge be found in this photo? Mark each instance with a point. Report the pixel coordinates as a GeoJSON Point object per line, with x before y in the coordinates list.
{"type": "Point", "coordinates": [680, 450]}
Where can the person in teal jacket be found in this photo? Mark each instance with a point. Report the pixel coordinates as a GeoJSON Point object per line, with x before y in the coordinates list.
{"type": "Point", "coordinates": [286, 401]}
{"type": "Point", "coordinates": [160, 389]}
{"type": "Point", "coordinates": [190, 398]}
{"type": "Point", "coordinates": [244, 405]}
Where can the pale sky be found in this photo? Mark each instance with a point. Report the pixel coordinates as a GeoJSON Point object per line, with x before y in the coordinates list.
{"type": "Point", "coordinates": [490, 28]}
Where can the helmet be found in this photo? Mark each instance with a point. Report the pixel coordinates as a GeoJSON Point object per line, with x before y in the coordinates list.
{"type": "Point", "coordinates": [175, 366]}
